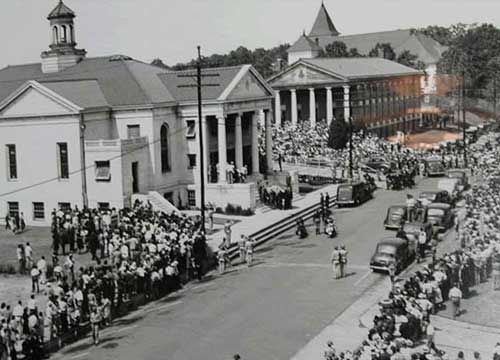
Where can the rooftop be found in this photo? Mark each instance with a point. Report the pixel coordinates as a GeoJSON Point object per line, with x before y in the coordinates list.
{"type": "Point", "coordinates": [61, 11]}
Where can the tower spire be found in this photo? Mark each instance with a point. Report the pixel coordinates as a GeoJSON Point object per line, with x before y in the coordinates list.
{"type": "Point", "coordinates": [323, 25]}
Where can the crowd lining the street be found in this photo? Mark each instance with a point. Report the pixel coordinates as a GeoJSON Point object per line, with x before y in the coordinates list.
{"type": "Point", "coordinates": [137, 253]}
{"type": "Point", "coordinates": [402, 330]}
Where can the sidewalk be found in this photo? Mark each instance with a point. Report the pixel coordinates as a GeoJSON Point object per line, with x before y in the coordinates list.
{"type": "Point", "coordinates": [349, 329]}
{"type": "Point", "coordinates": [262, 220]}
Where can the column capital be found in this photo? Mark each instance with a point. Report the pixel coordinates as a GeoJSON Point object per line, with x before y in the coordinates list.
{"type": "Point", "coordinates": [311, 89]}
{"type": "Point", "coordinates": [328, 87]}
{"type": "Point", "coordinates": [293, 90]}
{"type": "Point", "coordinates": [277, 92]}
{"type": "Point", "coordinates": [346, 87]}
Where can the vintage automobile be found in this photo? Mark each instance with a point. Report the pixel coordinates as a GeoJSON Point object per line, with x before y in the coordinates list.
{"type": "Point", "coordinates": [461, 175]}
{"type": "Point", "coordinates": [440, 196]}
{"type": "Point", "coordinates": [412, 230]}
{"type": "Point", "coordinates": [434, 167]}
{"type": "Point", "coordinates": [440, 216]}
{"type": "Point", "coordinates": [399, 252]}
{"type": "Point", "coordinates": [354, 193]}
{"type": "Point", "coordinates": [396, 216]}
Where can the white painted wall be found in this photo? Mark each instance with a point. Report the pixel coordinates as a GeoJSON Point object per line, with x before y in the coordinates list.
{"type": "Point", "coordinates": [35, 140]}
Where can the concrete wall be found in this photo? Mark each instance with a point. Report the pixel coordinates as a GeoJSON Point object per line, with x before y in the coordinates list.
{"type": "Point", "coordinates": [237, 194]}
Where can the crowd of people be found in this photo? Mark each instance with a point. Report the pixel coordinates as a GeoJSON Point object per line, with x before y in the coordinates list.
{"type": "Point", "coordinates": [136, 253]}
{"type": "Point", "coordinates": [275, 196]}
{"type": "Point", "coordinates": [233, 175]}
{"type": "Point", "coordinates": [402, 329]}
{"type": "Point", "coordinates": [392, 162]}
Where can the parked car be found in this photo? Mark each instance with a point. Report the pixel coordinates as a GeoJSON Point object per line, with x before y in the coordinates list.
{"type": "Point", "coordinates": [396, 216]}
{"type": "Point", "coordinates": [461, 175]}
{"type": "Point", "coordinates": [434, 167]}
{"type": "Point", "coordinates": [440, 196]}
{"type": "Point", "coordinates": [354, 193]}
{"type": "Point", "coordinates": [412, 230]}
{"type": "Point", "coordinates": [392, 251]}
{"type": "Point", "coordinates": [440, 216]}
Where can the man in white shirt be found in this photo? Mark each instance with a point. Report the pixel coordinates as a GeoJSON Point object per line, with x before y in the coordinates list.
{"type": "Point", "coordinates": [42, 267]}
{"type": "Point", "coordinates": [455, 295]}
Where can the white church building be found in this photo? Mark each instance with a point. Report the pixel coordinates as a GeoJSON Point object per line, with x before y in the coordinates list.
{"type": "Point", "coordinates": [80, 131]}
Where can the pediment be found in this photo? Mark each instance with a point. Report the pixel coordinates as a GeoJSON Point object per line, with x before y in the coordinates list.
{"type": "Point", "coordinates": [303, 75]}
{"type": "Point", "coordinates": [248, 87]}
{"type": "Point", "coordinates": [33, 99]}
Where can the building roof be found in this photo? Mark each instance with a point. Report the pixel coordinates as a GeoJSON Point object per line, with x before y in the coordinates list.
{"type": "Point", "coordinates": [323, 25]}
{"type": "Point", "coordinates": [118, 80]}
{"type": "Point", "coordinates": [61, 11]}
{"type": "Point", "coordinates": [304, 43]}
{"type": "Point", "coordinates": [182, 84]}
{"type": "Point", "coordinates": [354, 68]}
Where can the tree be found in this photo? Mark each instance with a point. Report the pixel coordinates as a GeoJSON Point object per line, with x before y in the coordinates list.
{"type": "Point", "coordinates": [338, 134]}
{"type": "Point", "coordinates": [336, 49]}
{"type": "Point", "coordinates": [158, 62]}
{"type": "Point", "coordinates": [383, 50]}
{"type": "Point", "coordinates": [407, 58]}
{"type": "Point", "coordinates": [353, 52]}
{"type": "Point", "coordinates": [470, 51]}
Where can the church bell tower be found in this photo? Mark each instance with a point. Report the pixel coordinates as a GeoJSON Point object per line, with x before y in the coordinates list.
{"type": "Point", "coordinates": [63, 52]}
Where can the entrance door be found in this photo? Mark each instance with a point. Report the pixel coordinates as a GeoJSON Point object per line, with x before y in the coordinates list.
{"type": "Point", "coordinates": [135, 177]}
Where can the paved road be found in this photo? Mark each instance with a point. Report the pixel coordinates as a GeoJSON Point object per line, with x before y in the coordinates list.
{"type": "Point", "coordinates": [269, 311]}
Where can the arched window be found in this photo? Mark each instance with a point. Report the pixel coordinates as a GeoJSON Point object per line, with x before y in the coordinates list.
{"type": "Point", "coordinates": [55, 35]}
{"type": "Point", "coordinates": [71, 34]}
{"type": "Point", "coordinates": [165, 156]}
{"type": "Point", "coordinates": [64, 34]}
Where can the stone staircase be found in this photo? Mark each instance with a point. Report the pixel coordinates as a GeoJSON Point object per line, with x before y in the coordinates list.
{"type": "Point", "coordinates": [158, 202]}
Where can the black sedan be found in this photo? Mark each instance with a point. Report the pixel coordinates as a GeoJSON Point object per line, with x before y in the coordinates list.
{"type": "Point", "coordinates": [393, 251]}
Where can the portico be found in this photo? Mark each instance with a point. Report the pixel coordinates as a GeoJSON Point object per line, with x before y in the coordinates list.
{"type": "Point", "coordinates": [372, 91]}
{"type": "Point", "coordinates": [235, 115]}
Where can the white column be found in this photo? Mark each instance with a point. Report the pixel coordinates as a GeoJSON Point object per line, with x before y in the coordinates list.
{"type": "Point", "coordinates": [277, 107]}
{"type": "Point", "coordinates": [329, 105]}
{"type": "Point", "coordinates": [269, 140]}
{"type": "Point", "coordinates": [347, 109]}
{"type": "Point", "coordinates": [312, 107]}
{"type": "Point", "coordinates": [238, 143]}
{"type": "Point", "coordinates": [206, 151]}
{"type": "Point", "coordinates": [255, 144]}
{"type": "Point", "coordinates": [262, 118]}
{"type": "Point", "coordinates": [221, 139]}
{"type": "Point", "coordinates": [293, 100]}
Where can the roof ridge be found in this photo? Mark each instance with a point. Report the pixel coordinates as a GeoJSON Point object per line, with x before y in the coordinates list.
{"type": "Point", "coordinates": [145, 94]}
{"type": "Point", "coordinates": [208, 68]}
{"type": "Point", "coordinates": [373, 32]}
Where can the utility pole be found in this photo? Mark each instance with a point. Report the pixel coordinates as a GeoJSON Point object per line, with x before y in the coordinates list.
{"type": "Point", "coordinates": [463, 118]}
{"type": "Point", "coordinates": [199, 87]}
{"type": "Point", "coordinates": [83, 166]}
{"type": "Point", "coordinates": [350, 139]}
{"type": "Point", "coordinates": [200, 136]}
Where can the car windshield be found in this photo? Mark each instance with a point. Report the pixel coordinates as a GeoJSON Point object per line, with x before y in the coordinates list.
{"type": "Point", "coordinates": [386, 249]}
{"type": "Point", "coordinates": [397, 211]}
{"type": "Point", "coordinates": [435, 212]}
{"type": "Point", "coordinates": [345, 191]}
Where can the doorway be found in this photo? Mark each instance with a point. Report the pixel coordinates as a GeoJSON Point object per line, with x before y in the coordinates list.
{"type": "Point", "coordinates": [135, 177]}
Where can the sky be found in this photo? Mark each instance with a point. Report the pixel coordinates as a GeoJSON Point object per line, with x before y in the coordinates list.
{"type": "Point", "coordinates": [171, 29]}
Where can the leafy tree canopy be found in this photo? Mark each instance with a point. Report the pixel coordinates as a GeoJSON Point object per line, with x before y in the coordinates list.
{"type": "Point", "coordinates": [266, 61]}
